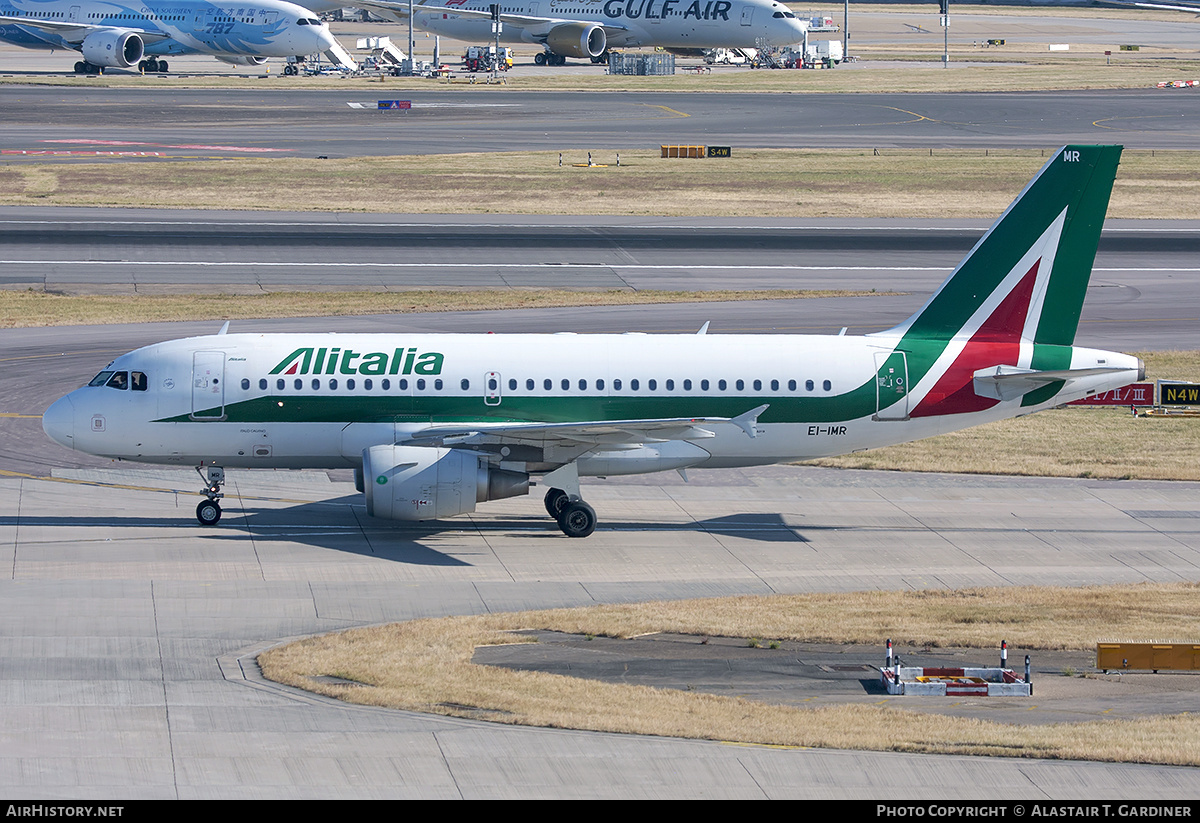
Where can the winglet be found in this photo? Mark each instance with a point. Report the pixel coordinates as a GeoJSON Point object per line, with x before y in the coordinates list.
{"type": "Point", "coordinates": [224, 328]}
{"type": "Point", "coordinates": [749, 420]}
{"type": "Point", "coordinates": [704, 328]}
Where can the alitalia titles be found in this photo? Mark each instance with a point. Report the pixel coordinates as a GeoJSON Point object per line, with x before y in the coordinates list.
{"type": "Point", "coordinates": [336, 360]}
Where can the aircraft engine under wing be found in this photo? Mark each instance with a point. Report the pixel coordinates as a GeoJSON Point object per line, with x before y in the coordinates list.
{"type": "Point", "coordinates": [577, 40]}
{"type": "Point", "coordinates": [113, 48]}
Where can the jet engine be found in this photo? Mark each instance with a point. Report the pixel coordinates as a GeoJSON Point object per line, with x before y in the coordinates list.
{"type": "Point", "coordinates": [241, 59]}
{"type": "Point", "coordinates": [113, 49]}
{"type": "Point", "coordinates": [577, 40]}
{"type": "Point", "coordinates": [425, 483]}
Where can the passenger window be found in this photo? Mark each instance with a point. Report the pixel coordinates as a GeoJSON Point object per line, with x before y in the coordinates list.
{"type": "Point", "coordinates": [721, 385]}
{"type": "Point", "coordinates": [741, 384]}
{"type": "Point", "coordinates": [316, 384]}
{"type": "Point", "coordinates": [791, 385]}
{"type": "Point", "coordinates": [465, 384]}
{"type": "Point", "coordinates": [245, 384]}
{"type": "Point", "coordinates": [583, 385]}
{"type": "Point", "coordinates": [333, 383]}
{"type": "Point", "coordinates": [617, 384]}
{"type": "Point", "coordinates": [600, 384]}
{"type": "Point", "coordinates": [703, 385]}
{"type": "Point", "coordinates": [299, 384]}
{"type": "Point", "coordinates": [437, 384]}
{"type": "Point", "coordinates": [670, 385]}
{"type": "Point", "coordinates": [350, 384]}
{"type": "Point", "coordinates": [262, 384]}
{"type": "Point", "coordinates": [566, 384]}
{"type": "Point", "coordinates": [529, 384]}
{"type": "Point", "coordinates": [512, 384]}
{"type": "Point", "coordinates": [385, 384]}
{"type": "Point", "coordinates": [547, 385]}
{"type": "Point", "coordinates": [774, 385]}
{"type": "Point", "coordinates": [633, 384]}
{"type": "Point", "coordinates": [367, 384]}
{"type": "Point", "coordinates": [758, 385]}
{"type": "Point", "coordinates": [403, 384]}
{"type": "Point", "coordinates": [280, 383]}
{"type": "Point", "coordinates": [808, 385]}
{"type": "Point", "coordinates": [652, 385]}
{"type": "Point", "coordinates": [827, 385]}
{"type": "Point", "coordinates": [687, 385]}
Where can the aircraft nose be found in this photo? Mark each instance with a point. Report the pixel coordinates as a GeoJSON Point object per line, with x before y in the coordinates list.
{"type": "Point", "coordinates": [58, 422]}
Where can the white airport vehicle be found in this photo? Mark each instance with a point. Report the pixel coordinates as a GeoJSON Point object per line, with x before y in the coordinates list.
{"type": "Point", "coordinates": [589, 28]}
{"type": "Point", "coordinates": [144, 35]}
{"type": "Point", "coordinates": [435, 423]}
{"type": "Point", "coordinates": [730, 57]}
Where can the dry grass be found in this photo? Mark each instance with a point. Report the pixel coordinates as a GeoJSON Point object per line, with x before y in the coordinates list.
{"type": "Point", "coordinates": [754, 182]}
{"type": "Point", "coordinates": [22, 309]}
{"type": "Point", "coordinates": [425, 666]}
{"type": "Point", "coordinates": [1075, 442]}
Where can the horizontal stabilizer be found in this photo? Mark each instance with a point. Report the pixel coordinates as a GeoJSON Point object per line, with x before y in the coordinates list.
{"type": "Point", "coordinates": [1011, 382]}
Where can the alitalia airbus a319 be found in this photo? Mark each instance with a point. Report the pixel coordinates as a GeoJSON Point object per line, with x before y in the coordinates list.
{"type": "Point", "coordinates": [434, 424]}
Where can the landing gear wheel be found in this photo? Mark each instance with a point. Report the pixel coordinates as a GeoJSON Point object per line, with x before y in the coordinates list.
{"type": "Point", "coordinates": [162, 67]}
{"type": "Point", "coordinates": [208, 512]}
{"type": "Point", "coordinates": [556, 501]}
{"type": "Point", "coordinates": [578, 519]}
{"type": "Point", "coordinates": [539, 59]}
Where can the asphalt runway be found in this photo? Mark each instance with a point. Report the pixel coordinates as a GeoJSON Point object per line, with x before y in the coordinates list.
{"type": "Point", "coordinates": [73, 123]}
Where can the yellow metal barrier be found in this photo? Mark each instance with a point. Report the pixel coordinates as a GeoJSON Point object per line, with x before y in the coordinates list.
{"type": "Point", "coordinates": [1152, 656]}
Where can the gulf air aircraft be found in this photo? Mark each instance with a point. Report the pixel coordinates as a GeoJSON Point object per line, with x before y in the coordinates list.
{"type": "Point", "coordinates": [143, 35]}
{"type": "Point", "coordinates": [589, 28]}
{"type": "Point", "coordinates": [435, 423]}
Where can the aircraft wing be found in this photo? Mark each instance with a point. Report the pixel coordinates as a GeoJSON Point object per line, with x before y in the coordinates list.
{"type": "Point", "coordinates": [595, 433]}
{"type": "Point", "coordinates": [1163, 6]}
{"type": "Point", "coordinates": [537, 25]}
{"type": "Point", "coordinates": [74, 32]}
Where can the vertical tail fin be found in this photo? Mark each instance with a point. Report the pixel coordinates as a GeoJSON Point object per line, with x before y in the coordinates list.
{"type": "Point", "coordinates": [1025, 280]}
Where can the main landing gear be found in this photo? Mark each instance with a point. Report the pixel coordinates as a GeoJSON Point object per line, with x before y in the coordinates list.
{"type": "Point", "coordinates": [575, 518]}
{"type": "Point", "coordinates": [209, 510]}
{"type": "Point", "coordinates": [152, 65]}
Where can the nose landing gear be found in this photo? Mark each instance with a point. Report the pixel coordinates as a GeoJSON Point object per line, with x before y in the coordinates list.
{"type": "Point", "coordinates": [209, 510]}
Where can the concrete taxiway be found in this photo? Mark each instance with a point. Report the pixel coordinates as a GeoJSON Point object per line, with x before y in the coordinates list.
{"type": "Point", "coordinates": [128, 633]}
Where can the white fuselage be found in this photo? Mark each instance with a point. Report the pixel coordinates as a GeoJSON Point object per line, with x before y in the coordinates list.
{"type": "Point", "coordinates": [319, 400]}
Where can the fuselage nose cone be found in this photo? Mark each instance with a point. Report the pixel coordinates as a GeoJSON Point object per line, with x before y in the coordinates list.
{"type": "Point", "coordinates": [58, 422]}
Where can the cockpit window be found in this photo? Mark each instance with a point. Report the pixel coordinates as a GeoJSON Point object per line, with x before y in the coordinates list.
{"type": "Point", "coordinates": [137, 381]}
{"type": "Point", "coordinates": [302, 21]}
{"type": "Point", "coordinates": [101, 378]}
{"type": "Point", "coordinates": [119, 380]}
{"type": "Point", "coordinates": [312, 21]}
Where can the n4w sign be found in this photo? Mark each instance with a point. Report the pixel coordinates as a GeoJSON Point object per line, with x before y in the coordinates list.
{"type": "Point", "coordinates": [1135, 394]}
{"type": "Point", "coordinates": [1180, 394]}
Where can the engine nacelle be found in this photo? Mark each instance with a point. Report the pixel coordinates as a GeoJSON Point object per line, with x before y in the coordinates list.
{"type": "Point", "coordinates": [113, 49]}
{"type": "Point", "coordinates": [241, 59]}
{"type": "Point", "coordinates": [577, 40]}
{"type": "Point", "coordinates": [425, 483]}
